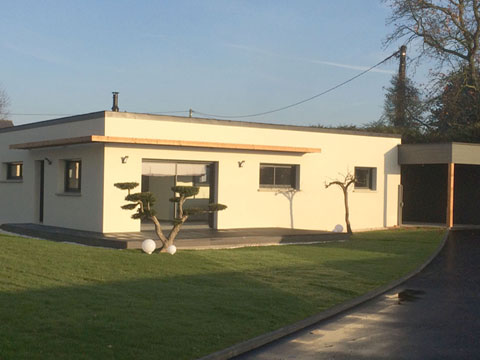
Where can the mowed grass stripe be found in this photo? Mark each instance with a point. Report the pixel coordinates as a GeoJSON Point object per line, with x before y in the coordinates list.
{"type": "Point", "coordinates": [73, 302]}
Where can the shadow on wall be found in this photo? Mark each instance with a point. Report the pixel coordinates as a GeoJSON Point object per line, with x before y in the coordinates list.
{"type": "Point", "coordinates": [289, 195]}
{"type": "Point", "coordinates": [390, 167]}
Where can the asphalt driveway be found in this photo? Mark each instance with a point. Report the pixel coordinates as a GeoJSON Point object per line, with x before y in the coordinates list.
{"type": "Point", "coordinates": [436, 316]}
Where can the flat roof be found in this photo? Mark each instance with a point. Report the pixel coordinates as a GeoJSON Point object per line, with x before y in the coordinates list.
{"type": "Point", "coordinates": [439, 153]}
{"type": "Point", "coordinates": [159, 142]}
{"type": "Point", "coordinates": [100, 114]}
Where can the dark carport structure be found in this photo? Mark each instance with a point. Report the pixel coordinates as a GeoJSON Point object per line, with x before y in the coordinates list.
{"type": "Point", "coordinates": [440, 183]}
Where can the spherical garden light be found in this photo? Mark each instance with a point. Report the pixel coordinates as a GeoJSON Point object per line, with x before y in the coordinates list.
{"type": "Point", "coordinates": [338, 228]}
{"type": "Point", "coordinates": [172, 249]}
{"type": "Point", "coordinates": [148, 246]}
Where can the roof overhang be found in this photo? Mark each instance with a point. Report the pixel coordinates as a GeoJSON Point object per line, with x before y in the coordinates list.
{"type": "Point", "coordinates": [445, 153]}
{"type": "Point", "coordinates": [90, 139]}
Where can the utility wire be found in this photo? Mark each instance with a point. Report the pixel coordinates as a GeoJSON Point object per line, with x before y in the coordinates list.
{"type": "Point", "coordinates": [301, 101]}
{"type": "Point", "coordinates": [38, 114]}
{"type": "Point", "coordinates": [170, 112]}
{"type": "Point", "coordinates": [249, 115]}
{"type": "Point", "coordinates": [16, 114]}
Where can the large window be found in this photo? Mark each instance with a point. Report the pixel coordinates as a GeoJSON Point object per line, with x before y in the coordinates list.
{"type": "Point", "coordinates": [278, 176]}
{"type": "Point", "coordinates": [365, 178]}
{"type": "Point", "coordinates": [14, 171]}
{"type": "Point", "coordinates": [73, 175]}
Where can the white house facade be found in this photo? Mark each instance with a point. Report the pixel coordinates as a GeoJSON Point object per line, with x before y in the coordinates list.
{"type": "Point", "coordinates": [62, 172]}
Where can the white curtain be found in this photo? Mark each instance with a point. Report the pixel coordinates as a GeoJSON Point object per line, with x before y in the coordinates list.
{"type": "Point", "coordinates": [150, 168]}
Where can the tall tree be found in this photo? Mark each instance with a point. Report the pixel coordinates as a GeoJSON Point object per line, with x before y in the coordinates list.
{"type": "Point", "coordinates": [455, 110]}
{"type": "Point", "coordinates": [4, 103]}
{"type": "Point", "coordinates": [449, 31]}
{"type": "Point", "coordinates": [409, 99]}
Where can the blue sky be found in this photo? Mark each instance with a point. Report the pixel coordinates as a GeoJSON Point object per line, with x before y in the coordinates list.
{"type": "Point", "coordinates": [219, 57]}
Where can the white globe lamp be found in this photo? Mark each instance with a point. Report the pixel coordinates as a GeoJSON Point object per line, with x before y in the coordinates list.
{"type": "Point", "coordinates": [338, 228]}
{"type": "Point", "coordinates": [172, 249]}
{"type": "Point", "coordinates": [148, 246]}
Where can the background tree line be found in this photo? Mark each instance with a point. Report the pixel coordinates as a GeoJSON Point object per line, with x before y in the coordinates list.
{"type": "Point", "coordinates": [446, 33]}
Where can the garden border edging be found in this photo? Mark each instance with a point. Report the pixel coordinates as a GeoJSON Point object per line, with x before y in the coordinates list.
{"type": "Point", "coordinates": [256, 342]}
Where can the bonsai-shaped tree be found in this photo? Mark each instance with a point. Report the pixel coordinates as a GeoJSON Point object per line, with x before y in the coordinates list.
{"type": "Point", "coordinates": [143, 202]}
{"type": "Point", "coordinates": [344, 183]}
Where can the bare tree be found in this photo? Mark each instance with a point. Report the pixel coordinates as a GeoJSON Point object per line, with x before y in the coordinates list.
{"type": "Point", "coordinates": [449, 31]}
{"type": "Point", "coordinates": [344, 184]}
{"type": "Point", "coordinates": [143, 202]}
{"type": "Point", "coordinates": [4, 104]}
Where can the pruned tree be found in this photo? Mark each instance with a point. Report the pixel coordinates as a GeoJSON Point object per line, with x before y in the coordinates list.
{"type": "Point", "coordinates": [143, 202]}
{"type": "Point", "coordinates": [344, 184]}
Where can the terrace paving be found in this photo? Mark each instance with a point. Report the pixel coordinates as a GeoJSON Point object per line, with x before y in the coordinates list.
{"type": "Point", "coordinates": [192, 236]}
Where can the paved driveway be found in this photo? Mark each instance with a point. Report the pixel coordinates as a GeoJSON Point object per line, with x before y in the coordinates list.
{"type": "Point", "coordinates": [438, 317]}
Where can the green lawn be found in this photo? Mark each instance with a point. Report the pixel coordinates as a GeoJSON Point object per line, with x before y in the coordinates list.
{"type": "Point", "coordinates": [67, 301]}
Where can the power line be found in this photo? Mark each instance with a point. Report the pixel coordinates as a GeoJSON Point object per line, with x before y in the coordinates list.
{"type": "Point", "coordinates": [170, 112]}
{"type": "Point", "coordinates": [249, 115]}
{"type": "Point", "coordinates": [17, 114]}
{"type": "Point", "coordinates": [301, 101]}
{"type": "Point", "coordinates": [44, 114]}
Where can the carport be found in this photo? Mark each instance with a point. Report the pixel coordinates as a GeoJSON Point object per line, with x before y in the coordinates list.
{"type": "Point", "coordinates": [440, 183]}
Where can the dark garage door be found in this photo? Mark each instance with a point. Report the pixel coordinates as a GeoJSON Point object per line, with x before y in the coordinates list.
{"type": "Point", "coordinates": [425, 194]}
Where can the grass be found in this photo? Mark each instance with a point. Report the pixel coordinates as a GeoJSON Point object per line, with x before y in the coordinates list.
{"type": "Point", "coordinates": [66, 301]}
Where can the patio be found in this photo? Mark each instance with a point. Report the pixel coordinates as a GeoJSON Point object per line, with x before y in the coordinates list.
{"type": "Point", "coordinates": [192, 236]}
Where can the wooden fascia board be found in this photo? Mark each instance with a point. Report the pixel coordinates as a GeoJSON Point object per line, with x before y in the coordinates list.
{"type": "Point", "coordinates": [159, 142]}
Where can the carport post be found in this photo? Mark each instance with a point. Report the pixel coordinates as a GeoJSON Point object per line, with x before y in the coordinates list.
{"type": "Point", "coordinates": [450, 190]}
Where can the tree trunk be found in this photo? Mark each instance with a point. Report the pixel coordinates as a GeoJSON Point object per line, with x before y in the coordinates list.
{"type": "Point", "coordinates": [347, 220]}
{"type": "Point", "coordinates": [159, 232]}
{"type": "Point", "coordinates": [173, 233]}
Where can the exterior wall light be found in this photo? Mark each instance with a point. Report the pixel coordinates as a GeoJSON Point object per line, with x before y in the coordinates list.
{"type": "Point", "coordinates": [124, 159]}
{"type": "Point", "coordinates": [241, 163]}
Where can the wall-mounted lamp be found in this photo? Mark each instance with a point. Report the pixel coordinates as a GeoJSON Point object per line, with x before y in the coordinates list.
{"type": "Point", "coordinates": [48, 161]}
{"type": "Point", "coordinates": [241, 163]}
{"type": "Point", "coordinates": [124, 159]}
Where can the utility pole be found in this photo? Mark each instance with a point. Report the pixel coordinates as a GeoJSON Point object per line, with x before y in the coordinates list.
{"type": "Point", "coordinates": [401, 89]}
{"type": "Point", "coordinates": [115, 101]}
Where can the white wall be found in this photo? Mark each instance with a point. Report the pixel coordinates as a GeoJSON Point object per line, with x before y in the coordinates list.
{"type": "Point", "coordinates": [313, 207]}
{"type": "Point", "coordinates": [98, 207]}
{"type": "Point", "coordinates": [20, 200]}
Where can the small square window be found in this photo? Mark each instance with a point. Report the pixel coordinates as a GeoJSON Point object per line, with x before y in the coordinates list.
{"type": "Point", "coordinates": [73, 175]}
{"type": "Point", "coordinates": [278, 176]}
{"type": "Point", "coordinates": [365, 178]}
{"type": "Point", "coordinates": [15, 171]}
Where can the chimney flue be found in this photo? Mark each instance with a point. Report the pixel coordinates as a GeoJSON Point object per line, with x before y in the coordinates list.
{"type": "Point", "coordinates": [115, 101]}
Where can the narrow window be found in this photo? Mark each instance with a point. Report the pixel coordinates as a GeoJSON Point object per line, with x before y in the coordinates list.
{"type": "Point", "coordinates": [365, 178]}
{"type": "Point", "coordinates": [73, 175]}
{"type": "Point", "coordinates": [278, 176]}
{"type": "Point", "coordinates": [15, 171]}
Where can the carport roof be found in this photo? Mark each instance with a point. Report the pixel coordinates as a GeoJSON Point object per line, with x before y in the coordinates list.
{"type": "Point", "coordinates": [444, 153]}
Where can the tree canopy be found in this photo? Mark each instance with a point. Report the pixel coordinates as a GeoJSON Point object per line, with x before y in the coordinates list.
{"type": "Point", "coordinates": [447, 33]}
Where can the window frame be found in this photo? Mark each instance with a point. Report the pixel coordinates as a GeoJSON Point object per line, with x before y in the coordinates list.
{"type": "Point", "coordinates": [11, 166]}
{"type": "Point", "coordinates": [67, 187]}
{"type": "Point", "coordinates": [294, 176]}
{"type": "Point", "coordinates": [371, 178]}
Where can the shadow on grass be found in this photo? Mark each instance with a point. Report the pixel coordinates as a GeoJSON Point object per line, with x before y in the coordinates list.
{"type": "Point", "coordinates": [173, 318]}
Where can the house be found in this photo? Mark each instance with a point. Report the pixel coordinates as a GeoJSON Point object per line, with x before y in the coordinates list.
{"type": "Point", "coordinates": [62, 172]}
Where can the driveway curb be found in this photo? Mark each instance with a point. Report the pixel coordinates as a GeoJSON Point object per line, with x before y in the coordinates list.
{"type": "Point", "coordinates": [264, 339]}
